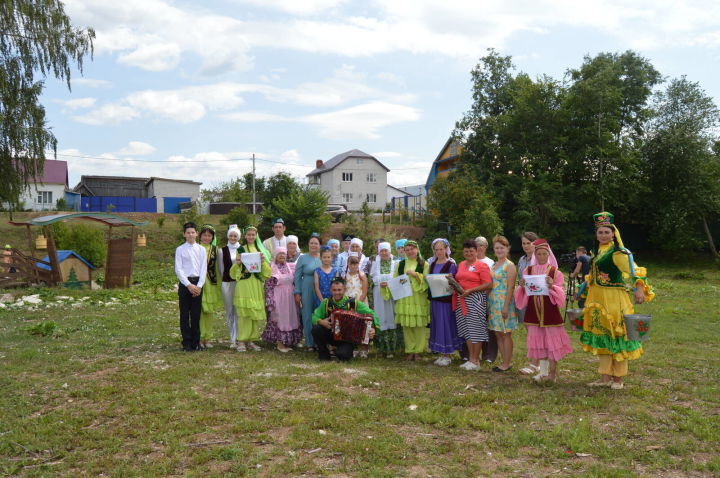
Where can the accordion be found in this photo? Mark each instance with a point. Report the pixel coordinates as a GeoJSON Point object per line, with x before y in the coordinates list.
{"type": "Point", "coordinates": [349, 326]}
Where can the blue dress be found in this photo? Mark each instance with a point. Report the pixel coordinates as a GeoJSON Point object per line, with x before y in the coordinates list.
{"type": "Point", "coordinates": [324, 283]}
{"type": "Point", "coordinates": [496, 302]}
{"type": "Point", "coordinates": [305, 286]}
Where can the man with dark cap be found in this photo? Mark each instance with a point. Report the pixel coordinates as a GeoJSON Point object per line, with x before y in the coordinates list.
{"type": "Point", "coordinates": [278, 239]}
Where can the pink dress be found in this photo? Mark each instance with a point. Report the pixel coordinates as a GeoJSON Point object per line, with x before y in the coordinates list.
{"type": "Point", "coordinates": [547, 338]}
{"type": "Point", "coordinates": [283, 321]}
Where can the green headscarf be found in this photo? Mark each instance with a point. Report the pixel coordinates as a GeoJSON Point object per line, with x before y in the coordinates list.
{"type": "Point", "coordinates": [258, 242]}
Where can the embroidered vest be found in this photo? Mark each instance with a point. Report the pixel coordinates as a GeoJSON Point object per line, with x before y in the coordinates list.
{"type": "Point", "coordinates": [540, 311]}
{"type": "Point", "coordinates": [604, 272]}
{"type": "Point", "coordinates": [331, 305]}
{"type": "Point", "coordinates": [227, 264]}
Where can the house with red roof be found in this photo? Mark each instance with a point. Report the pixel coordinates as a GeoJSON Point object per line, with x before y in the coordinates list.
{"type": "Point", "coordinates": [44, 193]}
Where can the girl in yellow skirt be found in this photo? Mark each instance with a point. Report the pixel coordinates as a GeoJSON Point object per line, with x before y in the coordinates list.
{"type": "Point", "coordinates": [413, 312]}
{"type": "Point", "coordinates": [212, 296]}
{"type": "Point", "coordinates": [249, 297]}
{"type": "Point", "coordinates": [607, 299]}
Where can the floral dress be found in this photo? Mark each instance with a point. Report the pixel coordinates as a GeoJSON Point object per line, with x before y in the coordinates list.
{"type": "Point", "coordinates": [353, 286]}
{"type": "Point", "coordinates": [496, 302]}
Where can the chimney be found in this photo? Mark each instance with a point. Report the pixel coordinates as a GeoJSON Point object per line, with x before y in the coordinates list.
{"type": "Point", "coordinates": [318, 163]}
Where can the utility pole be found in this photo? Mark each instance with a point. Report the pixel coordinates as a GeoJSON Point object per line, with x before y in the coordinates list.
{"type": "Point", "coordinates": [253, 183]}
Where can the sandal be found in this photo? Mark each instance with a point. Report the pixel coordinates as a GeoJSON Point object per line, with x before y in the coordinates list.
{"type": "Point", "coordinates": [530, 369]}
{"type": "Point", "coordinates": [600, 383]}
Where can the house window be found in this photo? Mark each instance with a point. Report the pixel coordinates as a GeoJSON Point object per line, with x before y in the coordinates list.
{"type": "Point", "coordinates": [314, 179]}
{"type": "Point", "coordinates": [359, 161]}
{"type": "Point", "coordinates": [347, 197]}
{"type": "Point", "coordinates": [371, 198]}
{"type": "Point", "coordinates": [44, 197]}
{"type": "Point", "coordinates": [371, 177]}
{"type": "Point", "coordinates": [347, 177]}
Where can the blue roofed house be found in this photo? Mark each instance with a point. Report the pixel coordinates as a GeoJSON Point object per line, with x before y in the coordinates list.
{"type": "Point", "coordinates": [73, 268]}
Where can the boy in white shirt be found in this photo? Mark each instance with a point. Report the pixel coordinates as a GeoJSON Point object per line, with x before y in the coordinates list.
{"type": "Point", "coordinates": [191, 270]}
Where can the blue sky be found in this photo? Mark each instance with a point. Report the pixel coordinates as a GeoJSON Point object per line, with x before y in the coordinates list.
{"type": "Point", "coordinates": [295, 81]}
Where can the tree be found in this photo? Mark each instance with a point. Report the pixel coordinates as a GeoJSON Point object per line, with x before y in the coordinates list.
{"type": "Point", "coordinates": [303, 211]}
{"type": "Point", "coordinates": [36, 39]}
{"type": "Point", "coordinates": [607, 108]}
{"type": "Point", "coordinates": [279, 185]}
{"type": "Point", "coordinates": [682, 167]}
{"type": "Point", "coordinates": [462, 208]}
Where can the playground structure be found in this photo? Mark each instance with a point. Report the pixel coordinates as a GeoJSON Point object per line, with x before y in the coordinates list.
{"type": "Point", "coordinates": [30, 270]}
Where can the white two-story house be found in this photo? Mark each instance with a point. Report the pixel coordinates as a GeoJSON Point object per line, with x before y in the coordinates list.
{"type": "Point", "coordinates": [351, 178]}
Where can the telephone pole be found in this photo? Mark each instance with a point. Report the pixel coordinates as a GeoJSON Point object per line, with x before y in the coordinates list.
{"type": "Point", "coordinates": [253, 182]}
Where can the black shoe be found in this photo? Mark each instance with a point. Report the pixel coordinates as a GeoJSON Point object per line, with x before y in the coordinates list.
{"type": "Point", "coordinates": [498, 369]}
{"type": "Point", "coordinates": [325, 358]}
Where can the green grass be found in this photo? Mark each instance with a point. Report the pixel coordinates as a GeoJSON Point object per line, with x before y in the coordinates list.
{"type": "Point", "coordinates": [102, 388]}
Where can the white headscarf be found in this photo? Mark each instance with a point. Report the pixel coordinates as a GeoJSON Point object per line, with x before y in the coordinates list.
{"type": "Point", "coordinates": [384, 245]}
{"type": "Point", "coordinates": [294, 240]}
{"type": "Point", "coordinates": [357, 241]}
{"type": "Point", "coordinates": [234, 247]}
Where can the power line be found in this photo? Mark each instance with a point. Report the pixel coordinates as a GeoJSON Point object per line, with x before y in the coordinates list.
{"type": "Point", "coordinates": [194, 160]}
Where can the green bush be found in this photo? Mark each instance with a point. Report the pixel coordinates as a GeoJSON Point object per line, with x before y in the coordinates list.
{"type": "Point", "coordinates": [86, 240]}
{"type": "Point", "coordinates": [61, 204]}
{"type": "Point", "coordinates": [160, 221]}
{"type": "Point", "coordinates": [239, 216]}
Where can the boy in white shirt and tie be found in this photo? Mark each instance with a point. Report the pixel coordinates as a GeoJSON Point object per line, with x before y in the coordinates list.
{"type": "Point", "coordinates": [191, 270]}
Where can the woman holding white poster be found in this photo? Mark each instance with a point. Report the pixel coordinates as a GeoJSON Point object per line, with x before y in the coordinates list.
{"type": "Point", "coordinates": [547, 339]}
{"type": "Point", "coordinates": [413, 312]}
{"type": "Point", "coordinates": [249, 297]}
{"type": "Point", "coordinates": [443, 328]}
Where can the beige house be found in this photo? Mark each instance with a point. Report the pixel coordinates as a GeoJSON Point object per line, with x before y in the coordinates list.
{"type": "Point", "coordinates": [351, 178]}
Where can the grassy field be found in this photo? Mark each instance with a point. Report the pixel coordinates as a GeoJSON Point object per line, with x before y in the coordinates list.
{"type": "Point", "coordinates": [94, 384]}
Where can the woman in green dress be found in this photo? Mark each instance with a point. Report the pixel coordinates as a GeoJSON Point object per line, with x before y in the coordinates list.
{"type": "Point", "coordinates": [249, 297]}
{"type": "Point", "coordinates": [211, 293]}
{"type": "Point", "coordinates": [413, 312]}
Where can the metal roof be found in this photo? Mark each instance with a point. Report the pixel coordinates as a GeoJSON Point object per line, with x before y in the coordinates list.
{"type": "Point", "coordinates": [62, 255]}
{"type": "Point", "coordinates": [335, 161]}
{"type": "Point", "coordinates": [102, 217]}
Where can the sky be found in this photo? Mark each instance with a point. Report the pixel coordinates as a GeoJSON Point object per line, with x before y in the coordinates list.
{"type": "Point", "coordinates": [192, 89]}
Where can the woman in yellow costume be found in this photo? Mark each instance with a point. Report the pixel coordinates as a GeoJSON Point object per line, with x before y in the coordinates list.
{"type": "Point", "coordinates": [249, 297]}
{"type": "Point", "coordinates": [613, 276]}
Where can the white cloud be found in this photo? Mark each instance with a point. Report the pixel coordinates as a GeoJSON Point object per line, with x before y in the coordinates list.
{"type": "Point", "coordinates": [110, 113]}
{"type": "Point", "coordinates": [253, 117]}
{"type": "Point", "coordinates": [154, 57]}
{"type": "Point", "coordinates": [79, 103]}
{"type": "Point", "coordinates": [362, 121]}
{"type": "Point", "coordinates": [91, 82]}
{"type": "Point", "coordinates": [211, 167]}
{"type": "Point", "coordinates": [155, 34]}
{"type": "Point", "coordinates": [298, 7]}
{"type": "Point", "coordinates": [137, 148]}
{"type": "Point", "coordinates": [408, 173]}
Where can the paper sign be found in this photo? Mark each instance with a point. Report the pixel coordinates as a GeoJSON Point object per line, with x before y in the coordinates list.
{"type": "Point", "coordinates": [383, 278]}
{"type": "Point", "coordinates": [536, 285]}
{"type": "Point", "coordinates": [439, 285]}
{"type": "Point", "coordinates": [400, 287]}
{"type": "Point", "coordinates": [252, 261]}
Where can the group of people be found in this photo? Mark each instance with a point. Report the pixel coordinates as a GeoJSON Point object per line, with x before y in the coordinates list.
{"type": "Point", "coordinates": [288, 300]}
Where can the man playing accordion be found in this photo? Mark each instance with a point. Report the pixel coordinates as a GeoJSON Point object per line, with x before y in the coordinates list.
{"type": "Point", "coordinates": [324, 331]}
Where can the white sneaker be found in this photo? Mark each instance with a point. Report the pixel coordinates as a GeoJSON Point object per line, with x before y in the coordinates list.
{"type": "Point", "coordinates": [465, 365]}
{"type": "Point", "coordinates": [471, 366]}
{"type": "Point", "coordinates": [300, 345]}
{"type": "Point", "coordinates": [363, 354]}
{"type": "Point", "coordinates": [241, 347]}
{"type": "Point", "coordinates": [233, 345]}
{"type": "Point", "coordinates": [444, 361]}
{"type": "Point", "coordinates": [254, 347]}
{"type": "Point", "coordinates": [208, 345]}
{"type": "Point", "coordinates": [438, 360]}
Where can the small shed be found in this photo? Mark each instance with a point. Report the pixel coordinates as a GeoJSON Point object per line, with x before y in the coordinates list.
{"type": "Point", "coordinates": [73, 268]}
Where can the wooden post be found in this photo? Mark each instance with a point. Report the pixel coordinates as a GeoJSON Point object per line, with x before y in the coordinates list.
{"type": "Point", "coordinates": [132, 255]}
{"type": "Point", "coordinates": [107, 258]}
{"type": "Point", "coordinates": [31, 243]}
{"type": "Point", "coordinates": [55, 274]}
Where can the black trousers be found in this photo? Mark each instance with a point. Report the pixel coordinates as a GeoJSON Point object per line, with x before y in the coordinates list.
{"type": "Point", "coordinates": [324, 337]}
{"type": "Point", "coordinates": [190, 308]}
